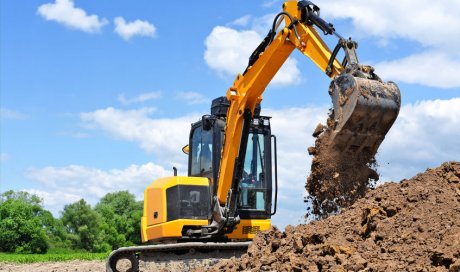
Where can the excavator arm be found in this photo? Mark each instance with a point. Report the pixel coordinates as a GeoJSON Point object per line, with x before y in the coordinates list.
{"type": "Point", "coordinates": [299, 33]}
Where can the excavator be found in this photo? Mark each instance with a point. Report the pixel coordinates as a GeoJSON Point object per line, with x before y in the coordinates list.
{"type": "Point", "coordinates": [230, 192]}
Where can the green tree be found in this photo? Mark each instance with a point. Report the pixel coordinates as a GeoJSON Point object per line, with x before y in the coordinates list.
{"type": "Point", "coordinates": [121, 214]}
{"type": "Point", "coordinates": [55, 230]}
{"type": "Point", "coordinates": [23, 223]}
{"type": "Point", "coordinates": [82, 224]}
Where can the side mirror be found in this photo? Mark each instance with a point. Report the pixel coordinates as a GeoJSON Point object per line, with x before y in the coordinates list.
{"type": "Point", "coordinates": [185, 149]}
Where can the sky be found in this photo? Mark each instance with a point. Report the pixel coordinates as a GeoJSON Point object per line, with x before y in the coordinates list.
{"type": "Point", "coordinates": [98, 96]}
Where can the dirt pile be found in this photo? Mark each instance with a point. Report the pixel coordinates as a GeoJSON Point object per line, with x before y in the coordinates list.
{"type": "Point", "coordinates": [409, 226]}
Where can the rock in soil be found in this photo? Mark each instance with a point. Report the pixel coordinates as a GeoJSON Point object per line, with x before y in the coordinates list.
{"type": "Point", "coordinates": [413, 225]}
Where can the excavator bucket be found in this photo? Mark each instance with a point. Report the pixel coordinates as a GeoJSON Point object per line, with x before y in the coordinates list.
{"type": "Point", "coordinates": [363, 112]}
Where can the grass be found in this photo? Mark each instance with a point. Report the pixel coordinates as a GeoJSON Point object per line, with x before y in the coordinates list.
{"type": "Point", "coordinates": [51, 257]}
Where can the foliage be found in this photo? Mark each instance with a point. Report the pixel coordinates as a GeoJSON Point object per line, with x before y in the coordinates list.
{"type": "Point", "coordinates": [122, 215]}
{"type": "Point", "coordinates": [82, 224]}
{"type": "Point", "coordinates": [23, 223]}
{"type": "Point", "coordinates": [26, 227]}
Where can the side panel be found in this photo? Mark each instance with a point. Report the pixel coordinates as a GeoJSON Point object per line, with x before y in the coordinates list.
{"type": "Point", "coordinates": [167, 230]}
{"type": "Point", "coordinates": [247, 228]}
{"type": "Point", "coordinates": [154, 208]}
{"type": "Point", "coordinates": [154, 224]}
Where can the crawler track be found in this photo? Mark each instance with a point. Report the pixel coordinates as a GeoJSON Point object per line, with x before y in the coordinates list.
{"type": "Point", "coordinates": [181, 251]}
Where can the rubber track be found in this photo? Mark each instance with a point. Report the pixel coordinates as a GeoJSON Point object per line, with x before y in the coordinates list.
{"type": "Point", "coordinates": [171, 248]}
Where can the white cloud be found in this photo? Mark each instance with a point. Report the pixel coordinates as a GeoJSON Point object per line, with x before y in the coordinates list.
{"type": "Point", "coordinates": [65, 12]}
{"type": "Point", "coordinates": [293, 129]}
{"type": "Point", "coordinates": [242, 21]}
{"type": "Point", "coordinates": [228, 51]}
{"type": "Point", "coordinates": [435, 27]}
{"type": "Point", "coordinates": [127, 30]}
{"type": "Point", "coordinates": [12, 115]}
{"type": "Point", "coordinates": [270, 3]}
{"type": "Point", "coordinates": [263, 24]}
{"type": "Point", "coordinates": [424, 135]}
{"type": "Point", "coordinates": [423, 69]}
{"type": "Point", "coordinates": [192, 97]}
{"type": "Point", "coordinates": [418, 20]}
{"type": "Point", "coordinates": [54, 200]}
{"type": "Point", "coordinates": [143, 97]}
{"type": "Point", "coordinates": [164, 137]}
{"type": "Point", "coordinates": [64, 185]}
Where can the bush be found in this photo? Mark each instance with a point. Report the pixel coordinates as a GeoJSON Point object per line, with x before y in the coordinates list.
{"type": "Point", "coordinates": [22, 226]}
{"type": "Point", "coordinates": [82, 224]}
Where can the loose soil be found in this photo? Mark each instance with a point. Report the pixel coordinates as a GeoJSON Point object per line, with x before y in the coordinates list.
{"type": "Point", "coordinates": [336, 179]}
{"type": "Point", "coordinates": [413, 225]}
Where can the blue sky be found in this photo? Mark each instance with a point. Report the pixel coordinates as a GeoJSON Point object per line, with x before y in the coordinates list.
{"type": "Point", "coordinates": [98, 96]}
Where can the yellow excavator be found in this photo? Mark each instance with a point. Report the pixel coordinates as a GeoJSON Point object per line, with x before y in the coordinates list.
{"type": "Point", "coordinates": [230, 192]}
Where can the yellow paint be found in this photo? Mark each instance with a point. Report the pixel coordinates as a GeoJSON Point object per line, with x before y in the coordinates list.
{"type": "Point", "coordinates": [249, 224]}
{"type": "Point", "coordinates": [168, 230]}
{"type": "Point", "coordinates": [155, 201]}
{"type": "Point", "coordinates": [186, 149]}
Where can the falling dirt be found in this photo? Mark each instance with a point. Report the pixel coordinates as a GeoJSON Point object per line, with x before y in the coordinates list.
{"type": "Point", "coordinates": [413, 225]}
{"type": "Point", "coordinates": [337, 179]}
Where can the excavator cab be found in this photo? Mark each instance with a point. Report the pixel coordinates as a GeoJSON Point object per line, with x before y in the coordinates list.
{"type": "Point", "coordinates": [182, 209]}
{"type": "Point", "coordinates": [205, 149]}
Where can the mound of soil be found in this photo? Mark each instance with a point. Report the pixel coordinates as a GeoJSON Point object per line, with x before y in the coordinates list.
{"type": "Point", "coordinates": [413, 225]}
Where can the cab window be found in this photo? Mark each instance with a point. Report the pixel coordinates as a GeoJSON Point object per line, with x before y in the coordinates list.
{"type": "Point", "coordinates": [253, 186]}
{"type": "Point", "coordinates": [201, 155]}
